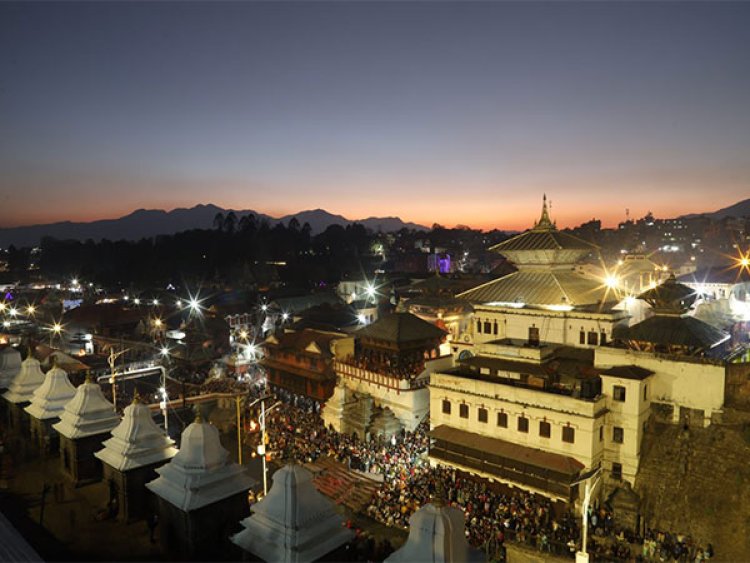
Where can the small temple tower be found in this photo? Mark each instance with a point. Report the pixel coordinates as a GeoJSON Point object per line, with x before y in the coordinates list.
{"type": "Point", "coordinates": [130, 459]}
{"type": "Point", "coordinates": [294, 523]}
{"type": "Point", "coordinates": [47, 405]}
{"type": "Point", "coordinates": [20, 393]}
{"type": "Point", "coordinates": [201, 496]}
{"type": "Point", "coordinates": [84, 423]}
{"type": "Point", "coordinates": [10, 365]}
{"type": "Point", "coordinates": [436, 534]}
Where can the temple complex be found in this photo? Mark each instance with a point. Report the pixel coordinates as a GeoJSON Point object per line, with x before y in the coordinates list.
{"type": "Point", "coordinates": [293, 523]}
{"type": "Point", "coordinates": [46, 407]}
{"type": "Point", "coordinates": [131, 456]}
{"type": "Point", "coordinates": [85, 423]}
{"type": "Point", "coordinates": [382, 387]}
{"type": "Point", "coordinates": [201, 495]}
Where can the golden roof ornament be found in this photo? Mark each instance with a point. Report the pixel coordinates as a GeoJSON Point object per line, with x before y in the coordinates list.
{"type": "Point", "coordinates": [89, 377]}
{"type": "Point", "coordinates": [544, 223]}
{"type": "Point", "coordinates": [136, 397]}
{"type": "Point", "coordinates": [198, 416]}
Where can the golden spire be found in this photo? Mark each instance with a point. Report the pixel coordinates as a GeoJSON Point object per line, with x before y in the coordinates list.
{"type": "Point", "coordinates": [198, 415]}
{"type": "Point", "coordinates": [89, 377]}
{"type": "Point", "coordinates": [136, 397]}
{"type": "Point", "coordinates": [544, 222]}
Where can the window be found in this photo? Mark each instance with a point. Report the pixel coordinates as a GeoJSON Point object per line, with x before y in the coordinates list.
{"type": "Point", "coordinates": [582, 337]}
{"type": "Point", "coordinates": [602, 338]}
{"type": "Point", "coordinates": [533, 336]}
{"type": "Point", "coordinates": [645, 392]}
{"type": "Point", "coordinates": [593, 338]}
{"type": "Point", "coordinates": [523, 424]}
{"type": "Point", "coordinates": [487, 327]}
{"type": "Point", "coordinates": [617, 435]}
{"type": "Point", "coordinates": [545, 430]}
{"type": "Point", "coordinates": [479, 327]}
{"type": "Point", "coordinates": [601, 433]}
{"type": "Point", "coordinates": [502, 419]}
{"type": "Point", "coordinates": [494, 328]}
{"type": "Point", "coordinates": [618, 393]}
{"type": "Point", "coordinates": [446, 406]}
{"type": "Point", "coordinates": [482, 414]}
{"type": "Point", "coordinates": [463, 410]}
{"type": "Point", "coordinates": [617, 471]}
{"type": "Point", "coordinates": [569, 434]}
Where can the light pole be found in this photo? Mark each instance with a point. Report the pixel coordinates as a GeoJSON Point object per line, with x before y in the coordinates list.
{"type": "Point", "coordinates": [262, 446]}
{"type": "Point", "coordinates": [582, 556]}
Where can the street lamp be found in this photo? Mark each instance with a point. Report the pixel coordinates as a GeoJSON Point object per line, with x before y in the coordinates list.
{"type": "Point", "coordinates": [263, 438]}
{"type": "Point", "coordinates": [582, 556]}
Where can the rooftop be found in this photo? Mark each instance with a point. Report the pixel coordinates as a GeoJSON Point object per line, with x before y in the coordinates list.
{"type": "Point", "coordinates": [401, 328]}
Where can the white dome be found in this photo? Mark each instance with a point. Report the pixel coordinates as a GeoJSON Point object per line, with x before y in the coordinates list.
{"type": "Point", "coordinates": [87, 414]}
{"type": "Point", "coordinates": [22, 387]}
{"type": "Point", "coordinates": [52, 395]}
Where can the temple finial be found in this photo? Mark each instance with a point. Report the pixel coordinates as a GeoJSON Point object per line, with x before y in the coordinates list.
{"type": "Point", "coordinates": [136, 397]}
{"type": "Point", "coordinates": [438, 497]}
{"type": "Point", "coordinates": [544, 221]}
{"type": "Point", "coordinates": [89, 377]}
{"type": "Point", "coordinates": [198, 415]}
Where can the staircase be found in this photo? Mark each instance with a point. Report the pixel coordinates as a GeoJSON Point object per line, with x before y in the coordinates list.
{"type": "Point", "coordinates": [698, 482]}
{"type": "Point", "coordinates": [343, 486]}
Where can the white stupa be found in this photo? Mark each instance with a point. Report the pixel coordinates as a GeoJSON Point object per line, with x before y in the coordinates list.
{"type": "Point", "coordinates": [21, 389]}
{"type": "Point", "coordinates": [199, 474]}
{"type": "Point", "coordinates": [51, 396]}
{"type": "Point", "coordinates": [137, 441]}
{"type": "Point", "coordinates": [88, 413]}
{"type": "Point", "coordinates": [437, 534]}
{"type": "Point", "coordinates": [10, 365]}
{"type": "Point", "coordinates": [294, 523]}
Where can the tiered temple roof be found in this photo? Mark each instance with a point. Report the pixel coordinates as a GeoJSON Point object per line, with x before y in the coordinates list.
{"type": "Point", "coordinates": [294, 523]}
{"type": "Point", "coordinates": [546, 275]}
{"type": "Point", "coordinates": [89, 413]}
{"type": "Point", "coordinates": [10, 365]}
{"type": "Point", "coordinates": [199, 474]}
{"type": "Point", "coordinates": [137, 441]}
{"type": "Point", "coordinates": [437, 534]}
{"type": "Point", "coordinates": [401, 328]}
{"type": "Point", "coordinates": [31, 376]}
{"type": "Point", "coordinates": [51, 396]}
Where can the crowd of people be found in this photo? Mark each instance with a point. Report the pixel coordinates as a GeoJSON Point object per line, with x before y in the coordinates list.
{"type": "Point", "coordinates": [493, 513]}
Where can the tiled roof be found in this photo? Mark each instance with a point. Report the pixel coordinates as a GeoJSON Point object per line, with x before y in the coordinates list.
{"type": "Point", "coordinates": [548, 239]}
{"type": "Point", "coordinates": [628, 372]}
{"type": "Point", "coordinates": [401, 327]}
{"type": "Point", "coordinates": [538, 458]}
{"type": "Point", "coordinates": [541, 288]}
{"type": "Point", "coordinates": [675, 331]}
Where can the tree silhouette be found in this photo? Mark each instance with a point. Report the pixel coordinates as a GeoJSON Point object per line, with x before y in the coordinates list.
{"type": "Point", "coordinates": [219, 221]}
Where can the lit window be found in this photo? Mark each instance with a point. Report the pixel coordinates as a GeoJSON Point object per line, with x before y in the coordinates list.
{"type": "Point", "coordinates": [482, 414]}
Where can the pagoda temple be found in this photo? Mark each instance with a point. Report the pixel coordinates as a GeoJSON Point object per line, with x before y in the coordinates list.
{"type": "Point", "coordinates": [201, 495]}
{"type": "Point", "coordinates": [549, 299]}
{"type": "Point", "coordinates": [21, 391]}
{"type": "Point", "coordinates": [293, 523]}
{"type": "Point", "coordinates": [131, 456]}
{"type": "Point", "coordinates": [671, 329]}
{"type": "Point", "coordinates": [382, 387]}
{"type": "Point", "coordinates": [85, 422]}
{"type": "Point", "coordinates": [46, 407]}
{"type": "Point", "coordinates": [10, 365]}
{"type": "Point", "coordinates": [437, 534]}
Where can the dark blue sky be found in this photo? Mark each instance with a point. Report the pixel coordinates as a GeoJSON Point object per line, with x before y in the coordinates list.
{"type": "Point", "coordinates": [452, 112]}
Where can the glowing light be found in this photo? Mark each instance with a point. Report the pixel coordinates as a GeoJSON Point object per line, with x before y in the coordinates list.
{"type": "Point", "coordinates": [179, 304]}
{"type": "Point", "coordinates": [370, 290]}
{"type": "Point", "coordinates": [361, 318]}
{"type": "Point", "coordinates": [560, 307]}
{"type": "Point", "coordinates": [744, 261]}
{"type": "Point", "coordinates": [611, 281]}
{"type": "Point", "coordinates": [137, 301]}
{"type": "Point", "coordinates": [30, 310]}
{"type": "Point", "coordinates": [194, 304]}
{"type": "Point", "coordinates": [74, 281]}
{"type": "Point", "coordinates": [126, 298]}
{"type": "Point", "coordinates": [285, 316]}
{"type": "Point", "coordinates": [13, 311]}
{"type": "Point", "coordinates": [243, 334]}
{"type": "Point", "coordinates": [6, 324]}
{"type": "Point", "coordinates": [2, 306]}
{"type": "Point", "coordinates": [157, 323]}
{"type": "Point", "coordinates": [164, 351]}
{"type": "Point", "coordinates": [263, 307]}
{"type": "Point", "coordinates": [155, 302]}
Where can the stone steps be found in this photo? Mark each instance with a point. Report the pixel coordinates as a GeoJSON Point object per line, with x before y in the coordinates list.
{"type": "Point", "coordinates": [343, 486]}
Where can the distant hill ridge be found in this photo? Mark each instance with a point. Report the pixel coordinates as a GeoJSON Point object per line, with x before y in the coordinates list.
{"type": "Point", "coordinates": [739, 209]}
{"type": "Point", "coordinates": [145, 223]}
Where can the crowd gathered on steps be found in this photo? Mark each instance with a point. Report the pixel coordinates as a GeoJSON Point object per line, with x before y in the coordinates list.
{"type": "Point", "coordinates": [493, 514]}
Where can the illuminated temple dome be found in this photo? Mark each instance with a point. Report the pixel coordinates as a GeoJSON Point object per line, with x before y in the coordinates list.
{"type": "Point", "coordinates": [294, 523]}
{"type": "Point", "coordinates": [87, 414]}
{"type": "Point", "coordinates": [546, 276]}
{"type": "Point", "coordinates": [200, 473]}
{"type": "Point", "coordinates": [51, 396]}
{"type": "Point", "coordinates": [437, 534]}
{"type": "Point", "coordinates": [10, 365]}
{"type": "Point", "coordinates": [22, 388]}
{"type": "Point", "coordinates": [137, 441]}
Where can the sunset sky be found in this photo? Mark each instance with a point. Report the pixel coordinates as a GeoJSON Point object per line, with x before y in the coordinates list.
{"type": "Point", "coordinates": [457, 113]}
